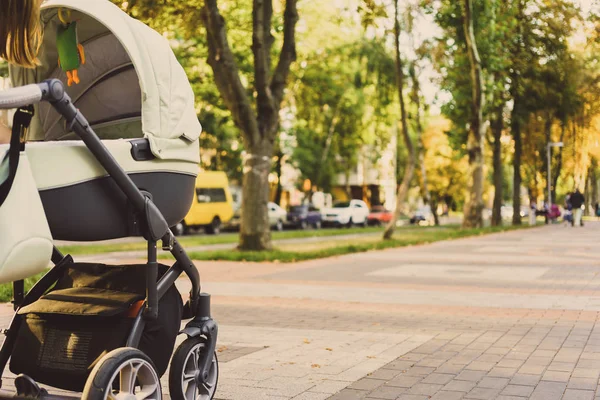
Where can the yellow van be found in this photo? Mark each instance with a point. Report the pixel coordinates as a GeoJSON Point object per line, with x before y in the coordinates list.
{"type": "Point", "coordinates": [212, 206]}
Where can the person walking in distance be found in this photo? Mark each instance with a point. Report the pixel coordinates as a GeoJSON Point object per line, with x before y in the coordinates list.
{"type": "Point", "coordinates": [577, 201]}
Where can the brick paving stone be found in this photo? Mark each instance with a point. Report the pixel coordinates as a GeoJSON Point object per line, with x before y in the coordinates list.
{"type": "Point", "coordinates": [448, 368]}
{"type": "Point", "coordinates": [436, 378]}
{"type": "Point", "coordinates": [413, 397]}
{"type": "Point", "coordinates": [502, 372]}
{"type": "Point", "coordinates": [480, 393]}
{"type": "Point", "coordinates": [583, 383]}
{"type": "Point", "coordinates": [459, 386]}
{"type": "Point", "coordinates": [443, 395]}
{"type": "Point", "coordinates": [531, 369]}
{"type": "Point", "coordinates": [556, 376]}
{"type": "Point", "coordinates": [419, 371]}
{"type": "Point", "coordinates": [562, 366]}
{"type": "Point", "coordinates": [574, 394]}
{"type": "Point", "coordinates": [384, 374]}
{"type": "Point", "coordinates": [493, 383]}
{"type": "Point", "coordinates": [428, 389]}
{"type": "Point", "coordinates": [508, 363]}
{"type": "Point", "coordinates": [517, 390]}
{"type": "Point", "coordinates": [350, 394]}
{"type": "Point", "coordinates": [469, 375]}
{"type": "Point", "coordinates": [404, 381]}
{"type": "Point", "coordinates": [399, 365]}
{"type": "Point", "coordinates": [548, 391]}
{"type": "Point", "coordinates": [366, 384]}
{"type": "Point", "coordinates": [386, 392]}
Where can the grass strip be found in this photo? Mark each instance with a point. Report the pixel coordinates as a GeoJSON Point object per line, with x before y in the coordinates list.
{"type": "Point", "coordinates": [403, 237]}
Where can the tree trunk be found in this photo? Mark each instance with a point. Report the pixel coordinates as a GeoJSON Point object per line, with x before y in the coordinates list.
{"type": "Point", "coordinates": [278, 168]}
{"type": "Point", "coordinates": [416, 99]}
{"type": "Point", "coordinates": [259, 128]}
{"type": "Point", "coordinates": [588, 191]}
{"type": "Point", "coordinates": [255, 232]}
{"type": "Point", "coordinates": [594, 187]}
{"type": "Point", "coordinates": [434, 211]}
{"type": "Point", "coordinates": [497, 128]}
{"type": "Point", "coordinates": [473, 217]}
{"type": "Point", "coordinates": [516, 131]}
{"type": "Point", "coordinates": [515, 119]}
{"type": "Point", "coordinates": [410, 161]}
{"type": "Point", "coordinates": [557, 170]}
{"type": "Point", "coordinates": [548, 137]}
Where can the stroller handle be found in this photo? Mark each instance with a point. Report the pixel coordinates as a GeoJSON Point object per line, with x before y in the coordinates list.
{"type": "Point", "coordinates": [22, 96]}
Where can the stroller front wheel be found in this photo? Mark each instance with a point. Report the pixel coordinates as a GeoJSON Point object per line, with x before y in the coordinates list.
{"type": "Point", "coordinates": [124, 373]}
{"type": "Point", "coordinates": [184, 382]}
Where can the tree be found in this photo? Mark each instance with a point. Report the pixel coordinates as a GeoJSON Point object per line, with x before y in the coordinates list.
{"type": "Point", "coordinates": [259, 125]}
{"type": "Point", "coordinates": [474, 206]}
{"type": "Point", "coordinates": [410, 161]}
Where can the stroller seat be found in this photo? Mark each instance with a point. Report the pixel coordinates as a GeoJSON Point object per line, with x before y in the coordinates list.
{"type": "Point", "coordinates": [81, 201]}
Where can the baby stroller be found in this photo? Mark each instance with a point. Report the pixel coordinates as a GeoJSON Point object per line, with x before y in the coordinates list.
{"type": "Point", "coordinates": [129, 169]}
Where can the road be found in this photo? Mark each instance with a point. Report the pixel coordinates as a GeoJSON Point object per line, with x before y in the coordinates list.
{"type": "Point", "coordinates": [505, 316]}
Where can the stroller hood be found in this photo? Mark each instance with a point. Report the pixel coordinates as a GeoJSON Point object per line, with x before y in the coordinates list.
{"type": "Point", "coordinates": [158, 105]}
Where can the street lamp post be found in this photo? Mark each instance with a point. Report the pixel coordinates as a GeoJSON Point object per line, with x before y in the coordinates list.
{"type": "Point", "coordinates": [548, 148]}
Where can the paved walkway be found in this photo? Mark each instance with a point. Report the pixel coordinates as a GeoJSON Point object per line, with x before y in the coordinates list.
{"type": "Point", "coordinates": [505, 316]}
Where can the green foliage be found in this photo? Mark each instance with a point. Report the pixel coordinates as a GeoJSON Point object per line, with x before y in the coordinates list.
{"type": "Point", "coordinates": [342, 102]}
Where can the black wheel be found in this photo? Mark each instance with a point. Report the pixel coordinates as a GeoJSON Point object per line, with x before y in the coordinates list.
{"type": "Point", "coordinates": [215, 227]}
{"type": "Point", "coordinates": [183, 375]}
{"type": "Point", "coordinates": [124, 373]}
{"type": "Point", "coordinates": [317, 225]}
{"type": "Point", "coordinates": [180, 229]}
{"type": "Point", "coordinates": [349, 225]}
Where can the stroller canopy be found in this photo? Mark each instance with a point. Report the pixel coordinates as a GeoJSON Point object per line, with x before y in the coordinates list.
{"type": "Point", "coordinates": [131, 83]}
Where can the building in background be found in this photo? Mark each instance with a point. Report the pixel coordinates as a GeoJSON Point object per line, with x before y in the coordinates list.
{"type": "Point", "coordinates": [372, 180]}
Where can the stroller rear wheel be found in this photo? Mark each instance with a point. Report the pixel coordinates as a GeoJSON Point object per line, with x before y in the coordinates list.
{"type": "Point", "coordinates": [184, 380]}
{"type": "Point", "coordinates": [123, 374]}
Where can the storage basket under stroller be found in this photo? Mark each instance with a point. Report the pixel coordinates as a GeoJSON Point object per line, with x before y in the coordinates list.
{"type": "Point", "coordinates": [87, 314]}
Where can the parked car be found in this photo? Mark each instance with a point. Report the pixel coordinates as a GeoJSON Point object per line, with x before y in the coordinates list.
{"type": "Point", "coordinates": [212, 205]}
{"type": "Point", "coordinates": [346, 213]}
{"type": "Point", "coordinates": [379, 215]}
{"type": "Point", "coordinates": [304, 216]}
{"type": "Point", "coordinates": [277, 216]}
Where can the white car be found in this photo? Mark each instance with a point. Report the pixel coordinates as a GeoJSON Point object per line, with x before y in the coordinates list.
{"type": "Point", "coordinates": [346, 213]}
{"type": "Point", "coordinates": [277, 216]}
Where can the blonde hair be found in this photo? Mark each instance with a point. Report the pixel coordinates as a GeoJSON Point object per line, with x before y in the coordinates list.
{"type": "Point", "coordinates": [20, 31]}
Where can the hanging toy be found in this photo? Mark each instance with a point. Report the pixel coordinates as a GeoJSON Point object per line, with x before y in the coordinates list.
{"type": "Point", "coordinates": [70, 52]}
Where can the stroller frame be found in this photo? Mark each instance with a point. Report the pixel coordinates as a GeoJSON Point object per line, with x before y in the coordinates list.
{"type": "Point", "coordinates": [151, 224]}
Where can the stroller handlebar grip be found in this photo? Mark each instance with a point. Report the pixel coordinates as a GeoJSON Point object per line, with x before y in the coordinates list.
{"type": "Point", "coordinates": [20, 96]}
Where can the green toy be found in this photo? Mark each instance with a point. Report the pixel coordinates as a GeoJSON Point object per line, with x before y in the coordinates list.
{"type": "Point", "coordinates": [70, 52]}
